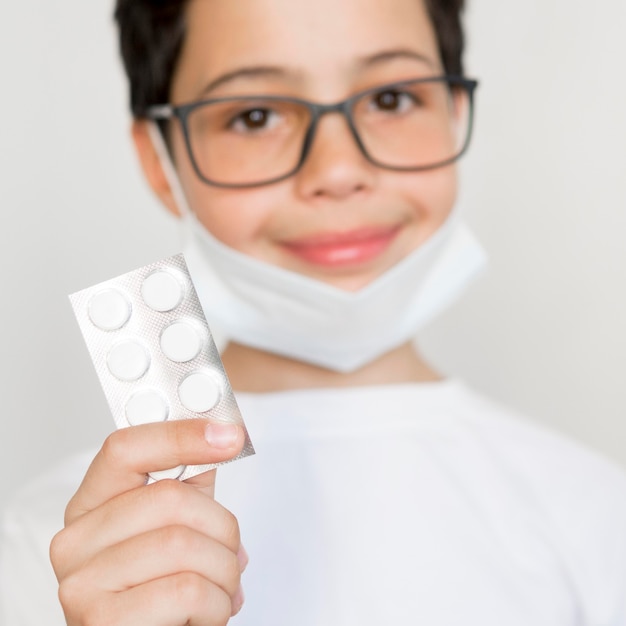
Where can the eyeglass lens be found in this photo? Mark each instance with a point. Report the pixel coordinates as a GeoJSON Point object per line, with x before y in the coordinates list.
{"type": "Point", "coordinates": [251, 141]}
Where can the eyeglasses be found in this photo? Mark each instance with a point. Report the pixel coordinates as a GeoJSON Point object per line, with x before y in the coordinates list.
{"type": "Point", "coordinates": [250, 141]}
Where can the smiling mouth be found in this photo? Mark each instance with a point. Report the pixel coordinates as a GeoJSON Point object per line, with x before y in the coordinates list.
{"type": "Point", "coordinates": [343, 249]}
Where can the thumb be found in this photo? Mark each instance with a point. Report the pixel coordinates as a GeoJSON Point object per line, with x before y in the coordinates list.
{"type": "Point", "coordinates": [218, 436]}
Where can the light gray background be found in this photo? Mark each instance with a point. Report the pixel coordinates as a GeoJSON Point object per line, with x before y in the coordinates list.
{"type": "Point", "coordinates": [544, 186]}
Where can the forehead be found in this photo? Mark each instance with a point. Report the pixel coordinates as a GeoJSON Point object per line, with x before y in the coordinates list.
{"type": "Point", "coordinates": [320, 38]}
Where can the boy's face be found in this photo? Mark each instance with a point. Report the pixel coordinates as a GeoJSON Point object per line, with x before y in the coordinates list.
{"type": "Point", "coordinates": [340, 218]}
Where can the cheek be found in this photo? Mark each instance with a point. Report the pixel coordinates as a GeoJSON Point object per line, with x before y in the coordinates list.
{"type": "Point", "coordinates": [237, 217]}
{"type": "Point", "coordinates": [432, 195]}
{"type": "Point", "coordinates": [445, 192]}
{"type": "Point", "coordinates": [220, 211]}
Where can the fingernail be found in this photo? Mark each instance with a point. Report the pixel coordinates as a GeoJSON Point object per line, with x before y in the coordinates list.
{"type": "Point", "coordinates": [221, 435]}
{"type": "Point", "coordinates": [238, 600]}
{"type": "Point", "coordinates": [242, 555]}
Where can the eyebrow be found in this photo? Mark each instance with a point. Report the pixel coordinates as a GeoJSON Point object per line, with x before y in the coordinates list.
{"type": "Point", "coordinates": [270, 71]}
{"type": "Point", "coordinates": [261, 71]}
{"type": "Point", "coordinates": [399, 53]}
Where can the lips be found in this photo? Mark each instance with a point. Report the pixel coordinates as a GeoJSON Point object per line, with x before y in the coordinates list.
{"type": "Point", "coordinates": [340, 249]}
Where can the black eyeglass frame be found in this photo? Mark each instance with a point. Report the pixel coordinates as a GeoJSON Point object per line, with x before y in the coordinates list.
{"type": "Point", "coordinates": [166, 112]}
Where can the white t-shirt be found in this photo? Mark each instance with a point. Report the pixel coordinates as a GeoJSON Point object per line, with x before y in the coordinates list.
{"type": "Point", "coordinates": [408, 504]}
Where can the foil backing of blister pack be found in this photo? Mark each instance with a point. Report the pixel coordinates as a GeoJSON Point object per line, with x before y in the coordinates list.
{"type": "Point", "coordinates": [143, 331]}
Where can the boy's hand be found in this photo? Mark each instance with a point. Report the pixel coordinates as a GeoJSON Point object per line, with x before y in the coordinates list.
{"type": "Point", "coordinates": [163, 554]}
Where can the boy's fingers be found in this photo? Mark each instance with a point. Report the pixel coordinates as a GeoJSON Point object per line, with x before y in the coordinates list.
{"type": "Point", "coordinates": [157, 554]}
{"type": "Point", "coordinates": [184, 598]}
{"type": "Point", "coordinates": [139, 511]}
{"type": "Point", "coordinates": [130, 454]}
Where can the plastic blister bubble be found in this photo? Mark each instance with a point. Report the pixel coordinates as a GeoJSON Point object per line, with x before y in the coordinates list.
{"type": "Point", "coordinates": [154, 353]}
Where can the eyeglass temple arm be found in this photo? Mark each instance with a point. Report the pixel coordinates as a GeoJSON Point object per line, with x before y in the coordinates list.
{"type": "Point", "coordinates": [160, 112]}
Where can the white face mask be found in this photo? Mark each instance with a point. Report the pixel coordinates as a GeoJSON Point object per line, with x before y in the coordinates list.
{"type": "Point", "coordinates": [266, 307]}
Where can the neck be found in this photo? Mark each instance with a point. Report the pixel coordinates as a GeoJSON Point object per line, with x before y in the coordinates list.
{"type": "Point", "coordinates": [256, 371]}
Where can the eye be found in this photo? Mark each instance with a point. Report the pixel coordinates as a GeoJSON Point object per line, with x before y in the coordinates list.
{"type": "Point", "coordinates": [253, 120]}
{"type": "Point", "coordinates": [393, 101]}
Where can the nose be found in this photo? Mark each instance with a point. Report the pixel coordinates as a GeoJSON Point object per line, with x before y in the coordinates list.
{"type": "Point", "coordinates": [334, 168]}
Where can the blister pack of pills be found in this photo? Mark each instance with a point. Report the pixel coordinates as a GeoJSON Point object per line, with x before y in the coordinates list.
{"type": "Point", "coordinates": [154, 353]}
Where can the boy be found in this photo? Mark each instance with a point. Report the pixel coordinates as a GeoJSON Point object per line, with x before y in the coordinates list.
{"type": "Point", "coordinates": [381, 493]}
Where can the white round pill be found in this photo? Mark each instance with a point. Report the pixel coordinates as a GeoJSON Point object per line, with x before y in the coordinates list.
{"type": "Point", "coordinates": [172, 474]}
{"type": "Point", "coordinates": [181, 342]}
{"type": "Point", "coordinates": [109, 309]}
{"type": "Point", "coordinates": [199, 392]}
{"type": "Point", "coordinates": [128, 360]}
{"type": "Point", "coordinates": [162, 291]}
{"type": "Point", "coordinates": [146, 407]}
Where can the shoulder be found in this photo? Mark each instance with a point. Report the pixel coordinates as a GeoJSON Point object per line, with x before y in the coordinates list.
{"type": "Point", "coordinates": [35, 512]}
{"type": "Point", "coordinates": [578, 495]}
{"type": "Point", "coordinates": [561, 476]}
{"type": "Point", "coordinates": [40, 503]}
{"type": "Point", "coordinates": [540, 453]}
{"type": "Point", "coordinates": [30, 520]}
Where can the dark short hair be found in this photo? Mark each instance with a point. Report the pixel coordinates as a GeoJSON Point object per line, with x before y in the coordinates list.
{"type": "Point", "coordinates": [152, 32]}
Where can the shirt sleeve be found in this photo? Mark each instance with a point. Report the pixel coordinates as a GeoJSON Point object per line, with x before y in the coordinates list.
{"type": "Point", "coordinates": [28, 585]}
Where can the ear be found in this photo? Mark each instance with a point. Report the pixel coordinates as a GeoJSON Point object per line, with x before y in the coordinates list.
{"type": "Point", "coordinates": [151, 166]}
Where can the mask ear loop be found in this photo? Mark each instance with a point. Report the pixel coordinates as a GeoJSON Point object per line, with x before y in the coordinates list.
{"type": "Point", "coordinates": [459, 113]}
{"type": "Point", "coordinates": [169, 171]}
